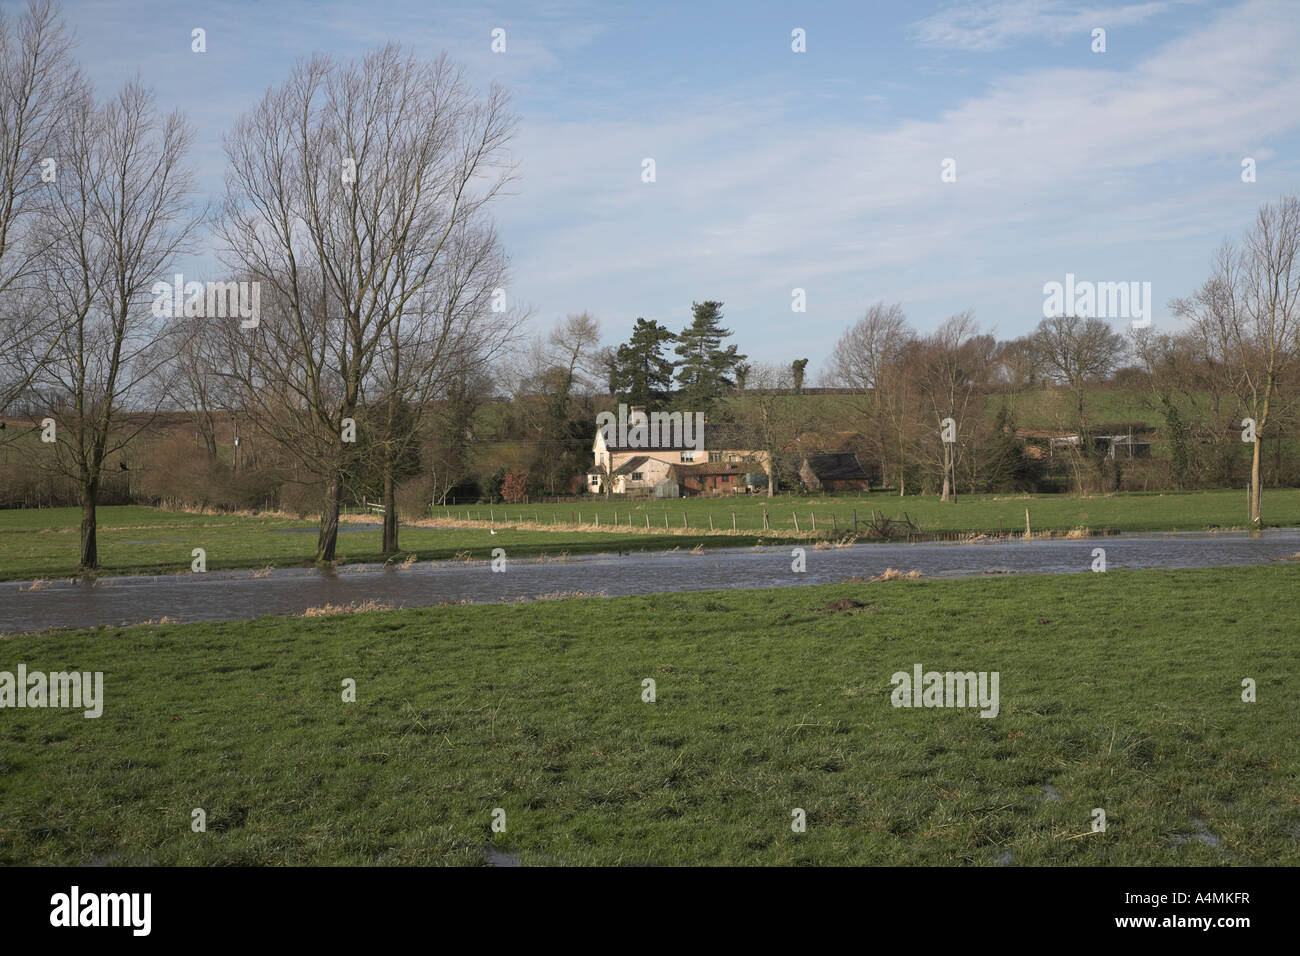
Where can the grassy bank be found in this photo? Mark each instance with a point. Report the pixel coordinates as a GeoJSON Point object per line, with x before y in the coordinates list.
{"type": "Point", "coordinates": [1119, 691]}
{"type": "Point", "coordinates": [134, 540]}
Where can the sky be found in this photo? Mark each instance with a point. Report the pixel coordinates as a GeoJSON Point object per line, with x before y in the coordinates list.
{"type": "Point", "coordinates": [819, 170]}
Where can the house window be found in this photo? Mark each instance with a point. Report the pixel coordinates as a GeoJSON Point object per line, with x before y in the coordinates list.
{"type": "Point", "coordinates": [688, 456]}
{"type": "Point", "coordinates": [636, 476]}
{"type": "Point", "coordinates": [715, 456]}
{"type": "Point", "coordinates": [595, 480]}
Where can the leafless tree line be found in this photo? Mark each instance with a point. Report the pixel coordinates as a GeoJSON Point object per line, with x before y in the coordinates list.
{"type": "Point", "coordinates": [1234, 360]}
{"type": "Point", "coordinates": [357, 201]}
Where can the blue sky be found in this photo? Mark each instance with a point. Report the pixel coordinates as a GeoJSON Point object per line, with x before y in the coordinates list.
{"type": "Point", "coordinates": [817, 170]}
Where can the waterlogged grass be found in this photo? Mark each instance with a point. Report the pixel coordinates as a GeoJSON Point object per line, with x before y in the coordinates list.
{"type": "Point", "coordinates": [1119, 691]}
{"type": "Point", "coordinates": [134, 540]}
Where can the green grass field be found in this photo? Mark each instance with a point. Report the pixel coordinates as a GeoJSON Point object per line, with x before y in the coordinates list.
{"type": "Point", "coordinates": [1119, 691]}
{"type": "Point", "coordinates": [135, 540]}
{"type": "Point", "coordinates": [1171, 511]}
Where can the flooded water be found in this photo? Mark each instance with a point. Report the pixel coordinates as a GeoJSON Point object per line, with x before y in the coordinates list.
{"type": "Point", "coordinates": [229, 595]}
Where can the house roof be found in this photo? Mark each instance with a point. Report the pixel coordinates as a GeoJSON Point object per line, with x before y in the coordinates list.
{"type": "Point", "coordinates": [718, 436]}
{"type": "Point", "coordinates": [842, 467]}
{"type": "Point", "coordinates": [715, 468]}
{"type": "Point", "coordinates": [631, 465]}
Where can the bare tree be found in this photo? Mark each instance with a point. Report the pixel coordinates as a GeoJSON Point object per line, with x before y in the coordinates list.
{"type": "Point", "coordinates": [552, 379]}
{"type": "Point", "coordinates": [345, 184]}
{"type": "Point", "coordinates": [1016, 364]}
{"type": "Point", "coordinates": [196, 353]}
{"type": "Point", "coordinates": [121, 216]}
{"type": "Point", "coordinates": [1271, 331]}
{"type": "Point", "coordinates": [775, 420]}
{"type": "Point", "coordinates": [575, 353]}
{"type": "Point", "coordinates": [1247, 315]}
{"type": "Point", "coordinates": [39, 87]}
{"type": "Point", "coordinates": [953, 366]}
{"type": "Point", "coordinates": [1074, 353]}
{"type": "Point", "coordinates": [447, 334]}
{"type": "Point", "coordinates": [867, 359]}
{"type": "Point", "coordinates": [1190, 377]}
{"type": "Point", "coordinates": [452, 431]}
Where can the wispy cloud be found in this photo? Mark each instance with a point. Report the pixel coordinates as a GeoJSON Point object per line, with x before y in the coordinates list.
{"type": "Point", "coordinates": [998, 24]}
{"type": "Point", "coordinates": [1055, 167]}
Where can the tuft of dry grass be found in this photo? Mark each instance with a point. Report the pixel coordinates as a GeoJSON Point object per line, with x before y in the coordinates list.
{"type": "Point", "coordinates": [890, 574]}
{"type": "Point", "coordinates": [565, 595]}
{"type": "Point", "coordinates": [354, 607]}
{"type": "Point", "coordinates": [1079, 531]}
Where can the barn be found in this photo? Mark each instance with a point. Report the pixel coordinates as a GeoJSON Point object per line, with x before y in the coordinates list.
{"type": "Point", "coordinates": [837, 472]}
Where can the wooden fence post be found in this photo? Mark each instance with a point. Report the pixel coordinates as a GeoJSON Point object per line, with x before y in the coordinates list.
{"type": "Point", "coordinates": [796, 522]}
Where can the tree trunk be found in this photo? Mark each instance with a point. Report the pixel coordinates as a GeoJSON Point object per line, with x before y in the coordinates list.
{"type": "Point", "coordinates": [329, 519]}
{"type": "Point", "coordinates": [390, 511]}
{"type": "Point", "coordinates": [947, 472]}
{"type": "Point", "coordinates": [1256, 476]}
{"type": "Point", "coordinates": [1256, 489]}
{"type": "Point", "coordinates": [209, 430]}
{"type": "Point", "coordinates": [89, 542]}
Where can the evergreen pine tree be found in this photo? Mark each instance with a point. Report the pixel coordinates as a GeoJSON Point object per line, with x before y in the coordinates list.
{"type": "Point", "coordinates": [705, 370]}
{"type": "Point", "coordinates": [642, 375]}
